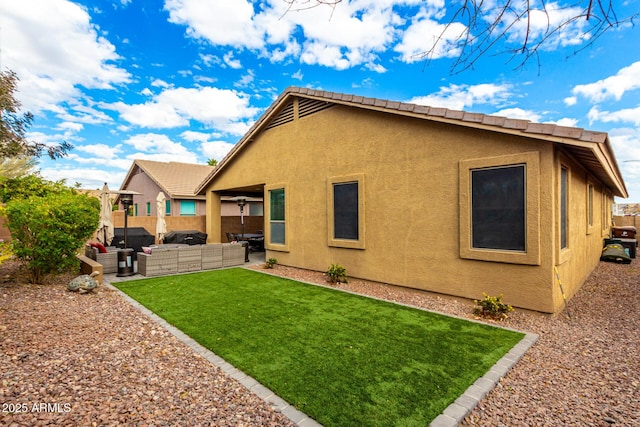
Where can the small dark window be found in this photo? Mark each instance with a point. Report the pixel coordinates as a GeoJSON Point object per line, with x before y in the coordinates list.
{"type": "Point", "coordinates": [498, 214]}
{"type": "Point", "coordinates": [345, 210]}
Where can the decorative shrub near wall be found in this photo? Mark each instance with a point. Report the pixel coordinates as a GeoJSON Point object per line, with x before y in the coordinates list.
{"type": "Point", "coordinates": [48, 230]}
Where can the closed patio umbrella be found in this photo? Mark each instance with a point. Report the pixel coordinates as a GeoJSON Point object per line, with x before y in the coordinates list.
{"type": "Point", "coordinates": [105, 226]}
{"type": "Point", "coordinates": [161, 224]}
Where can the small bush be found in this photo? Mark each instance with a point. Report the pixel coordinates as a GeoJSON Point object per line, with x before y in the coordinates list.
{"type": "Point", "coordinates": [270, 263]}
{"type": "Point", "coordinates": [492, 307]}
{"type": "Point", "coordinates": [48, 231]}
{"type": "Point", "coordinates": [337, 274]}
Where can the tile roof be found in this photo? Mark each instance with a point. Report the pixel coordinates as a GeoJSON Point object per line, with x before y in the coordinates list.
{"type": "Point", "coordinates": [591, 148]}
{"type": "Point", "coordinates": [177, 180]}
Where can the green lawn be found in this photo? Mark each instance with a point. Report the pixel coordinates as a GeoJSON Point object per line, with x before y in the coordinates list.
{"type": "Point", "coordinates": [343, 359]}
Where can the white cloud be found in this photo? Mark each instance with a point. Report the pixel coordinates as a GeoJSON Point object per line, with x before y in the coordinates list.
{"type": "Point", "coordinates": [55, 49]}
{"type": "Point", "coordinates": [215, 149]}
{"type": "Point", "coordinates": [627, 79]}
{"type": "Point", "coordinates": [625, 115]}
{"type": "Point", "coordinates": [223, 109]}
{"type": "Point", "coordinates": [101, 151]}
{"type": "Point", "coordinates": [540, 24]}
{"type": "Point", "coordinates": [160, 83]}
{"type": "Point", "coordinates": [85, 114]}
{"type": "Point", "coordinates": [150, 115]}
{"type": "Point", "coordinates": [193, 136]}
{"type": "Point", "coordinates": [519, 113]}
{"type": "Point", "coordinates": [71, 126]}
{"type": "Point", "coordinates": [246, 80]}
{"type": "Point", "coordinates": [350, 34]}
{"type": "Point", "coordinates": [427, 38]}
{"type": "Point", "coordinates": [570, 101]}
{"type": "Point", "coordinates": [461, 97]}
{"type": "Point", "coordinates": [209, 149]}
{"type": "Point", "coordinates": [90, 178]}
{"type": "Point", "coordinates": [153, 146]}
{"type": "Point", "coordinates": [226, 110]}
{"type": "Point", "coordinates": [231, 61]}
{"type": "Point", "coordinates": [627, 149]}
{"type": "Point", "coordinates": [220, 22]}
{"type": "Point", "coordinates": [567, 121]}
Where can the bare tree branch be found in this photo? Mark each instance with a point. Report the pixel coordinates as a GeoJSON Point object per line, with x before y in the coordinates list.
{"type": "Point", "coordinates": [488, 22]}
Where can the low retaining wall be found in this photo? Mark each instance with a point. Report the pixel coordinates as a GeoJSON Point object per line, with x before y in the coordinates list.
{"type": "Point", "coordinates": [89, 266]}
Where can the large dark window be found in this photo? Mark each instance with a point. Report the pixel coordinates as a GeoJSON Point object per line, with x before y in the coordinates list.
{"type": "Point", "coordinates": [345, 210]}
{"type": "Point", "coordinates": [276, 215]}
{"type": "Point", "coordinates": [498, 211]}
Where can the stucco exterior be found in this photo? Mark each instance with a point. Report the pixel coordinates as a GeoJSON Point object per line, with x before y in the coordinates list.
{"type": "Point", "coordinates": [412, 177]}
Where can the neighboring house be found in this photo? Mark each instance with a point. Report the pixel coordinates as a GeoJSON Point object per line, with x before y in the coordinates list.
{"type": "Point", "coordinates": [428, 198]}
{"type": "Point", "coordinates": [178, 182]}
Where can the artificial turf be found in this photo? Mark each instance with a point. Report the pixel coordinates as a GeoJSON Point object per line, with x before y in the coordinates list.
{"type": "Point", "coordinates": [343, 359]}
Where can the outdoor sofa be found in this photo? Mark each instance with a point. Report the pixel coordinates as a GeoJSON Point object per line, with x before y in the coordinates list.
{"type": "Point", "coordinates": [174, 259]}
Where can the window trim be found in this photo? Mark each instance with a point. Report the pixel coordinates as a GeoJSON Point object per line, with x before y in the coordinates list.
{"type": "Point", "coordinates": [590, 208]}
{"type": "Point", "coordinates": [267, 217]}
{"type": "Point", "coordinates": [564, 253]}
{"type": "Point", "coordinates": [346, 243]}
{"type": "Point", "coordinates": [606, 212]}
{"type": "Point", "coordinates": [531, 254]}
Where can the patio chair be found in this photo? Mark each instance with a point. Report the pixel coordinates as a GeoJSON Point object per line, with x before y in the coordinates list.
{"type": "Point", "coordinates": [109, 260]}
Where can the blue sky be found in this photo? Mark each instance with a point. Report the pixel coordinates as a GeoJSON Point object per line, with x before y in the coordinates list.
{"type": "Point", "coordinates": [182, 80]}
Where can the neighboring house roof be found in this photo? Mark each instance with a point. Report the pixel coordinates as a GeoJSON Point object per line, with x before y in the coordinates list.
{"type": "Point", "coordinates": [177, 180]}
{"type": "Point", "coordinates": [590, 148]}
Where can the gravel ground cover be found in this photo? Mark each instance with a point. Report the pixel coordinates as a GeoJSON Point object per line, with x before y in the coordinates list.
{"type": "Point", "coordinates": [69, 359]}
{"type": "Point", "coordinates": [85, 360]}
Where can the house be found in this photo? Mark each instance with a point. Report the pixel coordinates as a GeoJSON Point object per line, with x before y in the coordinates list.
{"type": "Point", "coordinates": [429, 198]}
{"type": "Point", "coordinates": [178, 182]}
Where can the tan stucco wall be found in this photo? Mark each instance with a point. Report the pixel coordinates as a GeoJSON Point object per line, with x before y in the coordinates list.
{"type": "Point", "coordinates": [411, 181]}
{"type": "Point", "coordinates": [585, 243]}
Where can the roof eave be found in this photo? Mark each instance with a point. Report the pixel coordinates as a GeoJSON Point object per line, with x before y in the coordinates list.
{"type": "Point", "coordinates": [597, 142]}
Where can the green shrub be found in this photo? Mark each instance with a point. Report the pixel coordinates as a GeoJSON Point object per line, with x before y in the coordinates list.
{"type": "Point", "coordinates": [337, 274]}
{"type": "Point", "coordinates": [270, 263]}
{"type": "Point", "coordinates": [48, 231]}
{"type": "Point", "coordinates": [30, 185]}
{"type": "Point", "coordinates": [492, 307]}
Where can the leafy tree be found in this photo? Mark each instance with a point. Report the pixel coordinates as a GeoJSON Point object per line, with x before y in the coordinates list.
{"type": "Point", "coordinates": [15, 167]}
{"type": "Point", "coordinates": [14, 125]}
{"type": "Point", "coordinates": [212, 162]}
{"type": "Point", "coordinates": [48, 221]}
{"type": "Point", "coordinates": [29, 185]}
